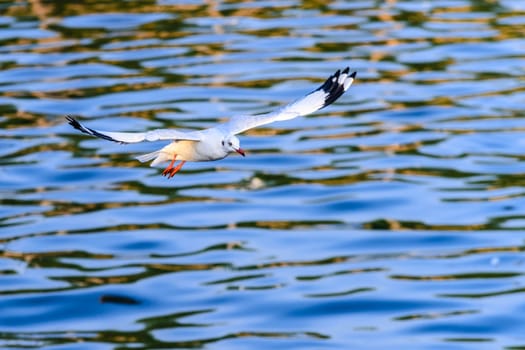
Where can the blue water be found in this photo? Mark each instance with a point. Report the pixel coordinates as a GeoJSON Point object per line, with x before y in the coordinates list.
{"type": "Point", "coordinates": [392, 219]}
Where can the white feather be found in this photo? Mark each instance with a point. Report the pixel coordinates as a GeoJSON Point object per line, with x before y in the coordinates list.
{"type": "Point", "coordinates": [147, 157]}
{"type": "Point", "coordinates": [326, 94]}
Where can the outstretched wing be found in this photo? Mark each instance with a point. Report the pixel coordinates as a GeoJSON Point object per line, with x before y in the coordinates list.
{"type": "Point", "coordinates": [329, 92]}
{"type": "Point", "coordinates": [133, 137]}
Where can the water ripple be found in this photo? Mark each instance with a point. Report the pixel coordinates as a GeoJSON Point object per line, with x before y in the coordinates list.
{"type": "Point", "coordinates": [389, 219]}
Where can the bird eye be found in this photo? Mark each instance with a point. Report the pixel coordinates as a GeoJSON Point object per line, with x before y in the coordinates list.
{"type": "Point", "coordinates": [229, 143]}
{"type": "Point", "coordinates": [222, 142]}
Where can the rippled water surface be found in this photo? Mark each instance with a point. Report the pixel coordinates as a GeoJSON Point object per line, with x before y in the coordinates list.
{"type": "Point", "coordinates": [391, 219]}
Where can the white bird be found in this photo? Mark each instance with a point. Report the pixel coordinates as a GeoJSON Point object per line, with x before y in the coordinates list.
{"type": "Point", "coordinates": [217, 142]}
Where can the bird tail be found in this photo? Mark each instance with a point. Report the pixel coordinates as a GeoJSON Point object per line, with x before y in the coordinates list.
{"type": "Point", "coordinates": [149, 156]}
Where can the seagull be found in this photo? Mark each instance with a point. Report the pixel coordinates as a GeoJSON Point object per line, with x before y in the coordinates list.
{"type": "Point", "coordinates": [218, 142]}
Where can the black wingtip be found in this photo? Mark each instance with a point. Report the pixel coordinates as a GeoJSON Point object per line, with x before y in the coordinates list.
{"type": "Point", "coordinates": [333, 88]}
{"type": "Point", "coordinates": [76, 124]}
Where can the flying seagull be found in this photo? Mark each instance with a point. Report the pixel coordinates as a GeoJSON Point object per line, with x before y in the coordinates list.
{"type": "Point", "coordinates": [217, 142]}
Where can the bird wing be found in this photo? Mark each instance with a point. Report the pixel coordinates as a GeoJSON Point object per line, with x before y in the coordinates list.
{"type": "Point", "coordinates": [133, 137]}
{"type": "Point", "coordinates": [329, 92]}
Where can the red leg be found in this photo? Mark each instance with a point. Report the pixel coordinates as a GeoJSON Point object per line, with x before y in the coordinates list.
{"type": "Point", "coordinates": [177, 168]}
{"type": "Point", "coordinates": [170, 167]}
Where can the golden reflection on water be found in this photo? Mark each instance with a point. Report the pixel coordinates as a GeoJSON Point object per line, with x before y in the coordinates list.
{"type": "Point", "coordinates": [393, 210]}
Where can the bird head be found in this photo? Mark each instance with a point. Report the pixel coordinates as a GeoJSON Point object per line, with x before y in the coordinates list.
{"type": "Point", "coordinates": [232, 144]}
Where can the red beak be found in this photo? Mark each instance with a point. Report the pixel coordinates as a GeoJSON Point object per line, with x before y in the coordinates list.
{"type": "Point", "coordinates": [240, 151]}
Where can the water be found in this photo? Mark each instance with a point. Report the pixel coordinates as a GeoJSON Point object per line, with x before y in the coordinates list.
{"type": "Point", "coordinates": [392, 219]}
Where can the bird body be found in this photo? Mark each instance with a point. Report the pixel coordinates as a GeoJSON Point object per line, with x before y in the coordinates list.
{"type": "Point", "coordinates": [218, 142]}
{"type": "Point", "coordinates": [193, 151]}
